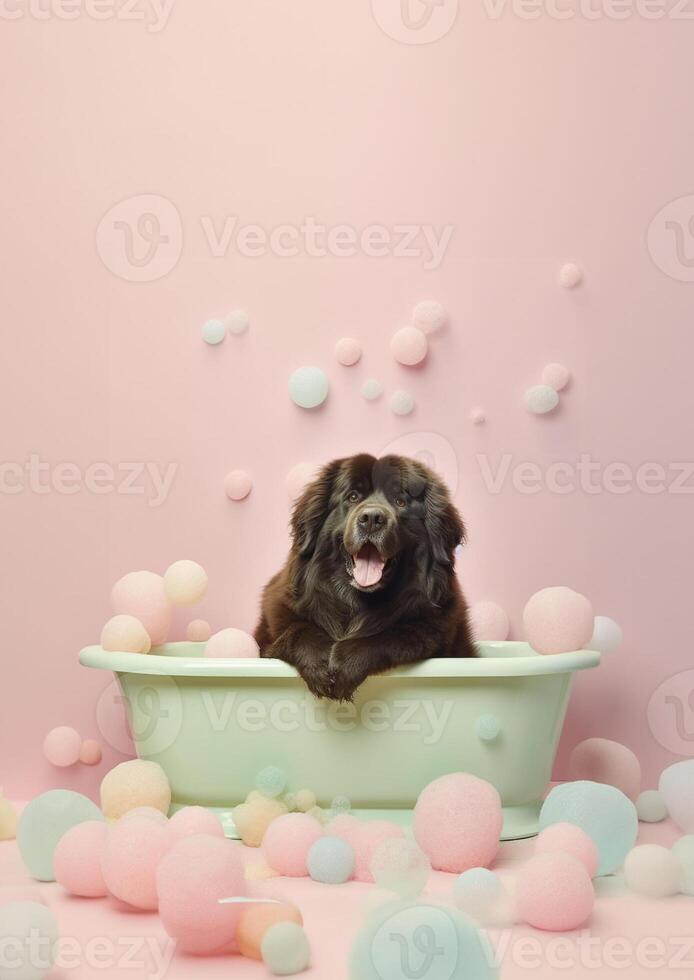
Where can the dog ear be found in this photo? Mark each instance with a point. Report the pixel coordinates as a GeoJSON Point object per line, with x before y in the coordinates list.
{"type": "Point", "coordinates": [312, 509]}
{"type": "Point", "coordinates": [445, 530]}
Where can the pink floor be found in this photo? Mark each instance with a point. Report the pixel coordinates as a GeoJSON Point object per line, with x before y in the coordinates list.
{"type": "Point", "coordinates": [629, 936]}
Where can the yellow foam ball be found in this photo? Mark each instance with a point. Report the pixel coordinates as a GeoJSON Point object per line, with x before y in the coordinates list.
{"type": "Point", "coordinates": [8, 820]}
{"type": "Point", "coordinates": [305, 800]}
{"type": "Point", "coordinates": [133, 784]}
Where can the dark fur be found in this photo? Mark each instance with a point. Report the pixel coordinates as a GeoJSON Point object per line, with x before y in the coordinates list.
{"type": "Point", "coordinates": [316, 617]}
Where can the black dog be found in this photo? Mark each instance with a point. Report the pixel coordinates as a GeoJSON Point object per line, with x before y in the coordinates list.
{"type": "Point", "coordinates": [369, 582]}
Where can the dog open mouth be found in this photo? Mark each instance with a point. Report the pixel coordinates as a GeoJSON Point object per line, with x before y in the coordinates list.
{"type": "Point", "coordinates": [368, 566]}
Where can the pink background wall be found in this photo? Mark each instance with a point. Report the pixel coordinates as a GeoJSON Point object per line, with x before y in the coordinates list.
{"type": "Point", "coordinates": [538, 140]}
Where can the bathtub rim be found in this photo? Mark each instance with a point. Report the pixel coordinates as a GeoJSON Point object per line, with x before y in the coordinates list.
{"type": "Point", "coordinates": [158, 664]}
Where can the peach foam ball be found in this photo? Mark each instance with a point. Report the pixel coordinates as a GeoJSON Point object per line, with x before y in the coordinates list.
{"type": "Point", "coordinates": [489, 621]}
{"type": "Point", "coordinates": [237, 484]}
{"type": "Point", "coordinates": [142, 595]}
{"type": "Point", "coordinates": [130, 858]}
{"type": "Point", "coordinates": [601, 760]}
{"type": "Point", "coordinates": [253, 818]}
{"type": "Point", "coordinates": [125, 634]}
{"type": "Point", "coordinates": [347, 351]}
{"type": "Point", "coordinates": [232, 643]}
{"type": "Point", "coordinates": [192, 820]}
{"type": "Point", "coordinates": [191, 879]}
{"type": "Point", "coordinates": [287, 842]}
{"type": "Point", "coordinates": [457, 822]}
{"type": "Point", "coordinates": [556, 376]}
{"type": "Point", "coordinates": [554, 892]}
{"type": "Point", "coordinates": [90, 752]}
{"type": "Point", "coordinates": [62, 745]}
{"type": "Point", "coordinates": [409, 346]}
{"type": "Point", "coordinates": [185, 582]}
{"type": "Point", "coordinates": [558, 620]}
{"type": "Point", "coordinates": [569, 839]}
{"type": "Point", "coordinates": [134, 783]}
{"type": "Point", "coordinates": [77, 859]}
{"type": "Point", "coordinates": [255, 921]}
{"type": "Point", "coordinates": [429, 316]}
{"type": "Point", "coordinates": [569, 276]}
{"type": "Point", "coordinates": [198, 631]}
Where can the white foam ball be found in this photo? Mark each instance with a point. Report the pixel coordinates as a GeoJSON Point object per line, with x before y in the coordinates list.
{"type": "Point", "coordinates": [401, 403]}
{"type": "Point", "coordinates": [489, 621]}
{"type": "Point", "coordinates": [556, 376]}
{"type": "Point", "coordinates": [308, 387]}
{"type": "Point", "coordinates": [28, 940]}
{"type": "Point", "coordinates": [213, 332]}
{"type": "Point", "coordinates": [371, 389]}
{"type": "Point", "coordinates": [541, 399]}
{"type": "Point", "coordinates": [569, 276]}
{"type": "Point", "coordinates": [650, 806]}
{"type": "Point", "coordinates": [607, 635]}
{"type": "Point", "coordinates": [653, 870]}
{"type": "Point", "coordinates": [480, 894]}
{"type": "Point", "coordinates": [237, 322]}
{"type": "Point", "coordinates": [232, 642]}
{"type": "Point", "coordinates": [185, 582]}
{"type": "Point", "coordinates": [429, 316]}
{"type": "Point", "coordinates": [683, 849]}
{"type": "Point", "coordinates": [285, 949]}
{"type": "Point", "coordinates": [677, 789]}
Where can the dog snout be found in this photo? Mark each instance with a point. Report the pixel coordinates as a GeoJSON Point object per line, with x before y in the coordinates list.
{"type": "Point", "coordinates": [371, 520]}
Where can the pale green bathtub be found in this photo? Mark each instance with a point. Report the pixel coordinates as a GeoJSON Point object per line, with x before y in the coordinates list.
{"type": "Point", "coordinates": [213, 724]}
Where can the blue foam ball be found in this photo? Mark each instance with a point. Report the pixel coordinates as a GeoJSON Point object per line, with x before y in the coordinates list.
{"type": "Point", "coordinates": [488, 727]}
{"type": "Point", "coordinates": [477, 892]}
{"type": "Point", "coordinates": [271, 781]}
{"type": "Point", "coordinates": [603, 812]}
{"type": "Point", "coordinates": [213, 332]}
{"type": "Point", "coordinates": [403, 940]}
{"type": "Point", "coordinates": [44, 821]}
{"type": "Point", "coordinates": [308, 387]}
{"type": "Point", "coordinates": [330, 860]}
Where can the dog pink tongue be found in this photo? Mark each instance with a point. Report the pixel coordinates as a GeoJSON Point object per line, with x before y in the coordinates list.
{"type": "Point", "coordinates": [368, 566]}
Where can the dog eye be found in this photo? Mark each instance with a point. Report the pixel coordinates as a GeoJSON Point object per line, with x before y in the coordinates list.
{"type": "Point", "coordinates": [353, 497]}
{"type": "Point", "coordinates": [400, 502]}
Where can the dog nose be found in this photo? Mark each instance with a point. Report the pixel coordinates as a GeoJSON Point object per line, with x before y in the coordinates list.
{"type": "Point", "coordinates": [372, 519]}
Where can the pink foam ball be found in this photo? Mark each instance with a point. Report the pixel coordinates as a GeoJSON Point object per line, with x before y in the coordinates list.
{"type": "Point", "coordinates": [298, 478]}
{"type": "Point", "coordinates": [185, 582]}
{"type": "Point", "coordinates": [125, 634]}
{"type": "Point", "coordinates": [90, 752]}
{"type": "Point", "coordinates": [77, 859]}
{"type": "Point", "coordinates": [569, 839]}
{"type": "Point", "coordinates": [366, 841]}
{"type": "Point", "coordinates": [347, 351]}
{"type": "Point", "coordinates": [133, 849]}
{"type": "Point", "coordinates": [191, 879]}
{"type": "Point", "coordinates": [232, 643]}
{"type": "Point", "coordinates": [409, 346]}
{"type": "Point", "coordinates": [557, 620]}
{"type": "Point", "coordinates": [489, 621]}
{"type": "Point", "coordinates": [569, 276]}
{"type": "Point", "coordinates": [237, 485]}
{"type": "Point", "coordinates": [198, 631]}
{"type": "Point", "coordinates": [149, 812]}
{"type": "Point", "coordinates": [62, 746]}
{"type": "Point", "coordinates": [142, 595]}
{"type": "Point", "coordinates": [556, 376]}
{"type": "Point", "coordinates": [477, 416]}
{"type": "Point", "coordinates": [429, 316]}
{"type": "Point", "coordinates": [603, 761]}
{"type": "Point", "coordinates": [457, 822]}
{"type": "Point", "coordinates": [192, 820]}
{"type": "Point", "coordinates": [554, 892]}
{"type": "Point", "coordinates": [287, 842]}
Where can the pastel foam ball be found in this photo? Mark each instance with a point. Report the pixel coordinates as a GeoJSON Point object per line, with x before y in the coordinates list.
{"type": "Point", "coordinates": [185, 582]}
{"type": "Point", "coordinates": [285, 949]}
{"type": "Point", "coordinates": [149, 812]}
{"type": "Point", "coordinates": [271, 781]}
{"type": "Point", "coordinates": [43, 822]}
{"type": "Point", "coordinates": [409, 346]}
{"type": "Point", "coordinates": [478, 416]}
{"type": "Point", "coordinates": [90, 752]}
{"type": "Point", "coordinates": [650, 806]}
{"type": "Point", "coordinates": [237, 485]}
{"type": "Point", "coordinates": [541, 399]}
{"type": "Point", "coordinates": [366, 840]}
{"type": "Point", "coordinates": [607, 635]}
{"type": "Point", "coordinates": [603, 812]}
{"type": "Point", "coordinates": [137, 782]}
{"type": "Point", "coordinates": [371, 389]}
{"type": "Point", "coordinates": [305, 800]}
{"type": "Point", "coordinates": [28, 940]}
{"type": "Point", "coordinates": [8, 820]}
{"type": "Point", "coordinates": [554, 892]}
{"type": "Point", "coordinates": [198, 631]}
{"type": "Point", "coordinates": [429, 316]}
{"type": "Point", "coordinates": [488, 727]}
{"type": "Point", "coordinates": [192, 820]}
{"type": "Point", "coordinates": [252, 819]}
{"type": "Point", "coordinates": [287, 842]}
{"type": "Point", "coordinates": [129, 860]}
{"type": "Point", "coordinates": [400, 866]}
{"type": "Point", "coordinates": [569, 839]}
{"type": "Point", "coordinates": [298, 478]}
{"type": "Point", "coordinates": [558, 620]}
{"type": "Point", "coordinates": [231, 642]}
{"type": "Point", "coordinates": [677, 789]}
{"type": "Point", "coordinates": [237, 322]}
{"type": "Point", "coordinates": [480, 894]}
{"type": "Point", "coordinates": [401, 403]}
{"type": "Point", "coordinates": [308, 387]}
{"type": "Point", "coordinates": [340, 804]}
{"type": "Point", "coordinates": [457, 822]}
{"type": "Point", "coordinates": [653, 870]}
{"type": "Point", "coordinates": [213, 332]}
{"type": "Point", "coordinates": [683, 849]}
{"type": "Point", "coordinates": [330, 860]}
{"type": "Point", "coordinates": [347, 351]}
{"type": "Point", "coordinates": [62, 745]}
{"type": "Point", "coordinates": [191, 879]}
{"type": "Point", "coordinates": [77, 859]}
{"type": "Point", "coordinates": [569, 276]}
{"type": "Point", "coordinates": [556, 376]}
{"type": "Point", "coordinates": [256, 919]}
{"type": "Point", "coordinates": [488, 620]}
{"type": "Point", "coordinates": [142, 595]}
{"type": "Point", "coordinates": [125, 634]}
{"type": "Point", "coordinates": [604, 761]}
